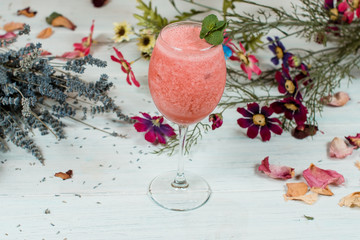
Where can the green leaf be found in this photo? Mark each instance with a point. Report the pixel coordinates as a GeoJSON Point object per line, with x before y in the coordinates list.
{"type": "Point", "coordinates": [52, 16]}
{"type": "Point", "coordinates": [308, 217]}
{"type": "Point", "coordinates": [215, 38]}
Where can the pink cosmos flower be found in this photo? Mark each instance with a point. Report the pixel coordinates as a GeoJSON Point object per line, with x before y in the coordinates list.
{"type": "Point", "coordinates": [86, 42]}
{"type": "Point", "coordinates": [125, 67]}
{"type": "Point", "coordinates": [155, 130]}
{"type": "Point", "coordinates": [216, 119]}
{"type": "Point", "coordinates": [274, 171]}
{"type": "Point", "coordinates": [348, 7]}
{"type": "Point", "coordinates": [320, 178]}
{"type": "Point", "coordinates": [248, 62]}
{"type": "Point", "coordinates": [257, 119]}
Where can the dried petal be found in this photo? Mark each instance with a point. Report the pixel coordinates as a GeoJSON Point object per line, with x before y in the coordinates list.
{"type": "Point", "coordinates": [7, 35]}
{"type": "Point", "coordinates": [322, 191]}
{"type": "Point", "coordinates": [296, 189]}
{"type": "Point", "coordinates": [317, 177]}
{"type": "Point", "coordinates": [304, 131]}
{"type": "Point", "coordinates": [351, 200]}
{"type": "Point", "coordinates": [310, 198]}
{"type": "Point", "coordinates": [355, 141]}
{"type": "Point", "coordinates": [58, 20]}
{"type": "Point", "coordinates": [71, 55]}
{"type": "Point", "coordinates": [26, 12]}
{"type": "Point", "coordinates": [99, 3]}
{"type": "Point", "coordinates": [13, 26]}
{"type": "Point", "coordinates": [64, 176]}
{"type": "Point", "coordinates": [337, 100]}
{"type": "Point", "coordinates": [357, 164]}
{"type": "Point", "coordinates": [274, 171]}
{"type": "Point", "coordinates": [45, 33]}
{"type": "Point", "coordinates": [339, 149]}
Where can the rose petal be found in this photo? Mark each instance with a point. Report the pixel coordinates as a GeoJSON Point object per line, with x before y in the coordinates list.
{"type": "Point", "coordinates": [317, 177]}
{"type": "Point", "coordinates": [296, 189]}
{"type": "Point", "coordinates": [64, 176]}
{"type": "Point", "coordinates": [337, 100]}
{"type": "Point", "coordinates": [12, 26]}
{"type": "Point", "coordinates": [310, 198]}
{"type": "Point", "coordinates": [355, 141]}
{"type": "Point", "coordinates": [339, 149]}
{"type": "Point", "coordinates": [45, 33]}
{"type": "Point", "coordinates": [304, 131]}
{"type": "Point", "coordinates": [351, 200]}
{"type": "Point", "coordinates": [274, 171]}
{"type": "Point", "coordinates": [322, 191]}
{"type": "Point", "coordinates": [71, 55]}
{"type": "Point", "coordinates": [357, 164]}
{"type": "Point", "coordinates": [7, 35]}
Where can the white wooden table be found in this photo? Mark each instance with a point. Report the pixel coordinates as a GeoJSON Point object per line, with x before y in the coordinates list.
{"type": "Point", "coordinates": [107, 196]}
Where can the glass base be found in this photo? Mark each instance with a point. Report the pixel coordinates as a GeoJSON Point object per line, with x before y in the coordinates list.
{"type": "Point", "coordinates": [190, 197]}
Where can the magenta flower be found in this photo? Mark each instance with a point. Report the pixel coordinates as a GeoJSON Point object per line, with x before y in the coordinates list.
{"type": "Point", "coordinates": [125, 67]}
{"type": "Point", "coordinates": [155, 130]}
{"type": "Point", "coordinates": [280, 52]}
{"type": "Point", "coordinates": [348, 7]}
{"type": "Point", "coordinates": [216, 119]}
{"type": "Point", "coordinates": [287, 85]}
{"type": "Point", "coordinates": [292, 108]}
{"type": "Point", "coordinates": [248, 62]}
{"type": "Point", "coordinates": [257, 119]}
{"type": "Point", "coordinates": [86, 42]}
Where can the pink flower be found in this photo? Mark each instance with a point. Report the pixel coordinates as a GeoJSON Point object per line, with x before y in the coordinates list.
{"type": "Point", "coordinates": [339, 149]}
{"type": "Point", "coordinates": [155, 130]}
{"type": "Point", "coordinates": [248, 62]}
{"type": "Point", "coordinates": [86, 42]}
{"type": "Point", "coordinates": [125, 67]}
{"type": "Point", "coordinates": [216, 119]}
{"type": "Point", "coordinates": [317, 177]}
{"type": "Point", "coordinates": [355, 140]}
{"type": "Point", "coordinates": [274, 171]}
{"type": "Point", "coordinates": [348, 7]}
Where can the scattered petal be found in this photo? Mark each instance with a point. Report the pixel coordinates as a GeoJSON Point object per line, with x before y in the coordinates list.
{"type": "Point", "coordinates": [339, 149]}
{"type": "Point", "coordinates": [13, 26]}
{"type": "Point", "coordinates": [58, 20]}
{"type": "Point", "coordinates": [45, 33]}
{"type": "Point", "coordinates": [322, 191]}
{"type": "Point", "coordinates": [303, 131]}
{"type": "Point", "coordinates": [355, 141]}
{"type": "Point", "coordinates": [351, 200]}
{"type": "Point", "coordinates": [337, 100]}
{"type": "Point", "coordinates": [8, 35]}
{"type": "Point", "coordinates": [26, 12]}
{"type": "Point", "coordinates": [99, 3]}
{"type": "Point", "coordinates": [71, 55]}
{"type": "Point", "coordinates": [308, 217]}
{"type": "Point", "coordinates": [317, 177]}
{"type": "Point", "coordinates": [310, 198]}
{"type": "Point", "coordinates": [296, 189]}
{"type": "Point", "coordinates": [64, 176]}
{"type": "Point", "coordinates": [357, 164]}
{"type": "Point", "coordinates": [274, 171]}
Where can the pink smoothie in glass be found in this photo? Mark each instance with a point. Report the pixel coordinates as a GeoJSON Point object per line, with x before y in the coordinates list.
{"type": "Point", "coordinates": [186, 74]}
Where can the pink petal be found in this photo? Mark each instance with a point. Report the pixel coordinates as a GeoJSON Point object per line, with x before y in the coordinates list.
{"type": "Point", "coordinates": [247, 70]}
{"type": "Point", "coordinates": [133, 79]}
{"type": "Point", "coordinates": [119, 54]}
{"type": "Point", "coordinates": [317, 177]}
{"type": "Point", "coordinates": [8, 35]}
{"type": "Point", "coordinates": [140, 127]}
{"type": "Point", "coordinates": [343, 6]}
{"type": "Point", "coordinates": [150, 136]}
{"type": "Point", "coordinates": [339, 99]}
{"type": "Point", "coordinates": [274, 171]}
{"type": "Point", "coordinates": [339, 149]}
{"type": "Point", "coordinates": [73, 54]}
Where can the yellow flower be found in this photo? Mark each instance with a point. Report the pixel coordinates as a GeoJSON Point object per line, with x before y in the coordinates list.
{"type": "Point", "coordinates": [122, 31]}
{"type": "Point", "coordinates": [146, 42]}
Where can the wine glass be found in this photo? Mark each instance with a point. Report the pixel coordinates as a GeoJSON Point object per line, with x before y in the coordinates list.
{"type": "Point", "coordinates": [187, 77]}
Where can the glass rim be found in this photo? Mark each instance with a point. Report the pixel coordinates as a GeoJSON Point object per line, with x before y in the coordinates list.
{"type": "Point", "coordinates": [183, 23]}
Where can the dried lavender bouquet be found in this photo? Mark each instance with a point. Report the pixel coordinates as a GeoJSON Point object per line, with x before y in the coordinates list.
{"type": "Point", "coordinates": [34, 93]}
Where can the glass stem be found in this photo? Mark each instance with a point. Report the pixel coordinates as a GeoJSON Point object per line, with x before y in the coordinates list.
{"type": "Point", "coordinates": [180, 180]}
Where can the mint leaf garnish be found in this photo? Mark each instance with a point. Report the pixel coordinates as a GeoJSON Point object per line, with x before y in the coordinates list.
{"type": "Point", "coordinates": [212, 29]}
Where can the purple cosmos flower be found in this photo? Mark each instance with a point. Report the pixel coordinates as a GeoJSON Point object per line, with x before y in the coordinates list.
{"type": "Point", "coordinates": [258, 119]}
{"type": "Point", "coordinates": [154, 128]}
{"type": "Point", "coordinates": [216, 119]}
{"type": "Point", "coordinates": [292, 108]}
{"type": "Point", "coordinates": [287, 85]}
{"type": "Point", "coordinates": [279, 50]}
{"type": "Point", "coordinates": [304, 74]}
